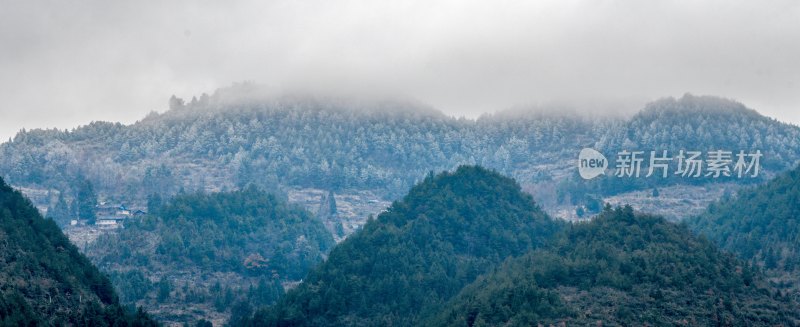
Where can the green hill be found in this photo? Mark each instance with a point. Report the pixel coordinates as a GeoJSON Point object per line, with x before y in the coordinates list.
{"type": "Point", "coordinates": [204, 256]}
{"type": "Point", "coordinates": [690, 123]}
{"type": "Point", "coordinates": [449, 229]}
{"type": "Point", "coordinates": [761, 225]}
{"type": "Point", "coordinates": [621, 269]}
{"type": "Point", "coordinates": [44, 280]}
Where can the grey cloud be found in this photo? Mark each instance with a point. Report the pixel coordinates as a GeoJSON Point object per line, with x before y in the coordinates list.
{"type": "Point", "coordinates": [67, 63]}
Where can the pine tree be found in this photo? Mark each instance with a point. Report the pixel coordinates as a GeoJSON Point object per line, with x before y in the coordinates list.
{"type": "Point", "coordinates": [86, 201]}
{"type": "Point", "coordinates": [164, 288]}
{"type": "Point", "coordinates": [60, 213]}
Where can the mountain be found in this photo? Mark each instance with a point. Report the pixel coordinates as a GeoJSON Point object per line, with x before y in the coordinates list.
{"type": "Point", "coordinates": [221, 142]}
{"type": "Point", "coordinates": [761, 225]}
{"type": "Point", "coordinates": [707, 123]}
{"type": "Point", "coordinates": [620, 269]}
{"type": "Point", "coordinates": [205, 256]}
{"type": "Point", "coordinates": [448, 230]}
{"type": "Point", "coordinates": [215, 143]}
{"type": "Point", "coordinates": [44, 280]}
{"type": "Point", "coordinates": [690, 123]}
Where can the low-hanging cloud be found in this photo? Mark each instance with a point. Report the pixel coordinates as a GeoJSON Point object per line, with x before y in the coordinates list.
{"type": "Point", "coordinates": [68, 63]}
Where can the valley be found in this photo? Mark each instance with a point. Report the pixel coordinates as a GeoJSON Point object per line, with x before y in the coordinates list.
{"type": "Point", "coordinates": [427, 163]}
{"type": "Point", "coordinates": [241, 214]}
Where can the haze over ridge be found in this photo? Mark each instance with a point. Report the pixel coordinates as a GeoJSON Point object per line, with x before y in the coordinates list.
{"type": "Point", "coordinates": [72, 64]}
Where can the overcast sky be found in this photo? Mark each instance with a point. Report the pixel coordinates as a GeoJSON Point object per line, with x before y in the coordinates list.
{"type": "Point", "coordinates": [66, 63]}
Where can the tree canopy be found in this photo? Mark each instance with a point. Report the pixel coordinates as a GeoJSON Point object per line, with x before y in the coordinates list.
{"type": "Point", "coordinates": [449, 229]}
{"type": "Point", "coordinates": [761, 225]}
{"type": "Point", "coordinates": [44, 280]}
{"type": "Point", "coordinates": [212, 251]}
{"type": "Point", "coordinates": [620, 269]}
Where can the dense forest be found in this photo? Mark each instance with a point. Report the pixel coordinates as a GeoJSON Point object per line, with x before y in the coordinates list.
{"type": "Point", "coordinates": [761, 225]}
{"type": "Point", "coordinates": [468, 249]}
{"type": "Point", "coordinates": [448, 230]}
{"type": "Point", "coordinates": [204, 255]}
{"type": "Point", "coordinates": [45, 281]}
{"type": "Point", "coordinates": [462, 247]}
{"type": "Point", "coordinates": [690, 123]}
{"type": "Point", "coordinates": [216, 143]}
{"type": "Point", "coordinates": [621, 269]}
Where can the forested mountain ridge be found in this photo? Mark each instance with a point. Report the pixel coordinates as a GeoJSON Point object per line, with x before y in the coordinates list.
{"type": "Point", "coordinates": [323, 143]}
{"type": "Point", "coordinates": [44, 280]}
{"type": "Point", "coordinates": [214, 143]}
{"type": "Point", "coordinates": [449, 229]}
{"type": "Point", "coordinates": [621, 269]}
{"type": "Point", "coordinates": [761, 225]}
{"type": "Point", "coordinates": [210, 256]}
{"type": "Point", "coordinates": [691, 123]}
{"type": "Point", "coordinates": [708, 123]}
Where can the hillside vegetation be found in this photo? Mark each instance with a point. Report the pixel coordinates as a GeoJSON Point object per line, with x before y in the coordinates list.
{"type": "Point", "coordinates": [621, 269]}
{"type": "Point", "coordinates": [449, 229]}
{"type": "Point", "coordinates": [761, 225]}
{"type": "Point", "coordinates": [212, 255]}
{"type": "Point", "coordinates": [217, 143]}
{"type": "Point", "coordinates": [44, 280]}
